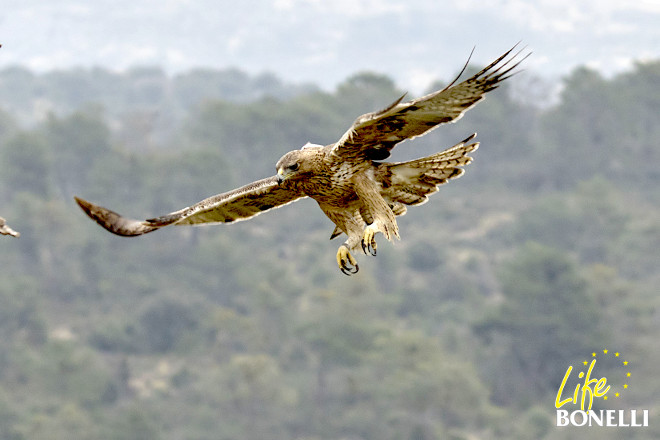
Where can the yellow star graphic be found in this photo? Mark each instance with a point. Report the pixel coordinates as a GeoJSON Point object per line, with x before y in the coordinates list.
{"type": "Point", "coordinates": [625, 385]}
{"type": "Point", "coordinates": [625, 362]}
{"type": "Point", "coordinates": [605, 397]}
{"type": "Point", "coordinates": [585, 362]}
{"type": "Point", "coordinates": [616, 394]}
{"type": "Point", "coordinates": [605, 351]}
{"type": "Point", "coordinates": [616, 354]}
{"type": "Point", "coordinates": [593, 354]}
{"type": "Point", "coordinates": [628, 374]}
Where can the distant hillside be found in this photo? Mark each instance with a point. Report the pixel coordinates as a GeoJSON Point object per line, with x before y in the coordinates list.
{"type": "Point", "coordinates": [545, 250]}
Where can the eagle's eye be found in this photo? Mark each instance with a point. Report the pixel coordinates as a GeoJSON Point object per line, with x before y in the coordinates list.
{"type": "Point", "coordinates": [294, 167]}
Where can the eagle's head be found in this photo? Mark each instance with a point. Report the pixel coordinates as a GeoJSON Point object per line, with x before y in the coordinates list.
{"type": "Point", "coordinates": [297, 163]}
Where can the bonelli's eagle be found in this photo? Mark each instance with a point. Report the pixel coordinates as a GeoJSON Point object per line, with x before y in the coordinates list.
{"type": "Point", "coordinates": [360, 194]}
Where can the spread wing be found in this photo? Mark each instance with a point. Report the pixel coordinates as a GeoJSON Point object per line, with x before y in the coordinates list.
{"type": "Point", "coordinates": [240, 204]}
{"type": "Point", "coordinates": [6, 230]}
{"type": "Point", "coordinates": [373, 135]}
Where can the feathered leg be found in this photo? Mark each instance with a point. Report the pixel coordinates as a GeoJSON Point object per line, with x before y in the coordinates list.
{"type": "Point", "coordinates": [375, 210]}
{"type": "Point", "coordinates": [350, 222]}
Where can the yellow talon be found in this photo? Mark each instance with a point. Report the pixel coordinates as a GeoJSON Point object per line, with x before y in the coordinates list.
{"type": "Point", "coordinates": [369, 240]}
{"type": "Point", "coordinates": [347, 264]}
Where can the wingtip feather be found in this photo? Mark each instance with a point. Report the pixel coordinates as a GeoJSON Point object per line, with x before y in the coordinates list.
{"type": "Point", "coordinates": [6, 230]}
{"type": "Point", "coordinates": [113, 222]}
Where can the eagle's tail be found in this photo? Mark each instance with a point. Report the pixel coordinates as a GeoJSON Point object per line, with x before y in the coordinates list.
{"type": "Point", "coordinates": [410, 183]}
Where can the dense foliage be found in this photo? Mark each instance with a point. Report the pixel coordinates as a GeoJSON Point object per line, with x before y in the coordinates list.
{"type": "Point", "coordinates": [546, 250]}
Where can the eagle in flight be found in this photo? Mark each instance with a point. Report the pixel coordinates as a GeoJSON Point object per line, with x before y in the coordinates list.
{"type": "Point", "coordinates": [360, 194]}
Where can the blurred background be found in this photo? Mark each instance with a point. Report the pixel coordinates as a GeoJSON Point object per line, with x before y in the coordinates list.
{"type": "Point", "coordinates": [545, 251]}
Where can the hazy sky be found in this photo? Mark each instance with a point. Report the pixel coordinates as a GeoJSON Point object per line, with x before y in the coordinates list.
{"type": "Point", "coordinates": [324, 41]}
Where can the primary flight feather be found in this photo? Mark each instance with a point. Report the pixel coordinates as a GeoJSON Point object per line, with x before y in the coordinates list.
{"type": "Point", "coordinates": [361, 195]}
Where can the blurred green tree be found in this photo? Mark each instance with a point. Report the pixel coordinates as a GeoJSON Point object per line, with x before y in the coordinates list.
{"type": "Point", "coordinates": [545, 321]}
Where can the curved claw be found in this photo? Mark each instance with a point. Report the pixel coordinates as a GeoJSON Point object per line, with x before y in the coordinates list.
{"type": "Point", "coordinates": [349, 272]}
{"type": "Point", "coordinates": [347, 264]}
{"type": "Point", "coordinates": [370, 247]}
{"type": "Point", "coordinates": [369, 241]}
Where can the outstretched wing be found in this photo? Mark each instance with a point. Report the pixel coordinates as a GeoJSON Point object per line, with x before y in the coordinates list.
{"type": "Point", "coordinates": [411, 183]}
{"type": "Point", "coordinates": [373, 135]}
{"type": "Point", "coordinates": [240, 204]}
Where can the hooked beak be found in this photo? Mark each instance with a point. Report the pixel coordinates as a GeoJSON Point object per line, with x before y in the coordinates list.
{"type": "Point", "coordinates": [280, 176]}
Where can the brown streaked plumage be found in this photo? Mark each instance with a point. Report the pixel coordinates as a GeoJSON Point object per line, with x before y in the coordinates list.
{"type": "Point", "coordinates": [359, 194]}
{"type": "Point", "coordinates": [6, 230]}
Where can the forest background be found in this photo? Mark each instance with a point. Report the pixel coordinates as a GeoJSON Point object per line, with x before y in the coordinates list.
{"type": "Point", "coordinates": [545, 251]}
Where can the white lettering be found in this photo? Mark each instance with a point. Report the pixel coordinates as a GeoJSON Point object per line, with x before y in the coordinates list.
{"type": "Point", "coordinates": [598, 420]}
{"type": "Point", "coordinates": [602, 417]}
{"type": "Point", "coordinates": [610, 417]}
{"type": "Point", "coordinates": [584, 418]}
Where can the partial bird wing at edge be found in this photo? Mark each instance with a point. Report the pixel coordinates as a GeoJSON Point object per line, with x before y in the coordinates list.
{"type": "Point", "coordinates": [239, 204]}
{"type": "Point", "coordinates": [6, 230]}
{"type": "Point", "coordinates": [373, 135]}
